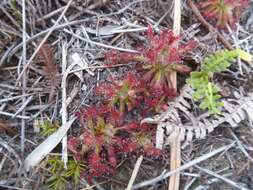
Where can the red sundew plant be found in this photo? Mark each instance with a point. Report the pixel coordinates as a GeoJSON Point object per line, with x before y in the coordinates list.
{"type": "Point", "coordinates": [109, 130]}
{"type": "Point", "coordinates": [141, 140]}
{"type": "Point", "coordinates": [223, 12]}
{"type": "Point", "coordinates": [98, 136]}
{"type": "Point", "coordinates": [156, 99]}
{"type": "Point", "coordinates": [101, 142]}
{"type": "Point", "coordinates": [113, 57]}
{"type": "Point", "coordinates": [159, 59]}
{"type": "Point", "coordinates": [98, 166]}
{"type": "Point", "coordinates": [124, 93]}
{"type": "Point", "coordinates": [164, 56]}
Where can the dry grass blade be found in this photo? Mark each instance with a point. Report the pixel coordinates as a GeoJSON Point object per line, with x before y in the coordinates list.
{"type": "Point", "coordinates": [175, 162]}
{"type": "Point", "coordinates": [134, 174]}
{"type": "Point", "coordinates": [47, 146]}
{"type": "Point", "coordinates": [46, 57]}
{"type": "Point", "coordinates": [175, 153]}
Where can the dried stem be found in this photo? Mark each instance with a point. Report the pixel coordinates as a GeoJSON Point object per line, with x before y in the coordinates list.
{"type": "Point", "coordinates": [208, 26]}
{"type": "Point", "coordinates": [24, 77]}
{"type": "Point", "coordinates": [135, 172]}
{"type": "Point", "coordinates": [44, 39]}
{"type": "Point", "coordinates": [175, 152]}
{"type": "Point", "coordinates": [64, 102]}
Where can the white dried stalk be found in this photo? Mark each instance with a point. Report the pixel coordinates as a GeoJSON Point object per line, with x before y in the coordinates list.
{"type": "Point", "coordinates": [135, 172]}
{"type": "Point", "coordinates": [24, 77]}
{"type": "Point", "coordinates": [64, 103]}
{"type": "Point", "coordinates": [175, 150]}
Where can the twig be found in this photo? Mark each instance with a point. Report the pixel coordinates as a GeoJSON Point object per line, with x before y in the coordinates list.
{"type": "Point", "coordinates": [208, 26]}
{"type": "Point", "coordinates": [11, 115]}
{"type": "Point", "coordinates": [101, 67]}
{"type": "Point", "coordinates": [135, 172]}
{"type": "Point", "coordinates": [51, 14]}
{"type": "Point", "coordinates": [11, 150]}
{"type": "Point", "coordinates": [100, 44]}
{"type": "Point", "coordinates": [44, 39]}
{"type": "Point", "coordinates": [14, 97]}
{"type": "Point", "coordinates": [228, 181]}
{"type": "Point", "coordinates": [15, 49]}
{"type": "Point", "coordinates": [175, 151]}
{"type": "Point", "coordinates": [175, 162]}
{"type": "Point", "coordinates": [24, 78]}
{"type": "Point", "coordinates": [12, 187]}
{"type": "Point", "coordinates": [5, 55]}
{"type": "Point", "coordinates": [209, 182]}
{"type": "Point", "coordinates": [25, 102]}
{"type": "Point", "coordinates": [72, 95]}
{"type": "Point", "coordinates": [240, 145]}
{"type": "Point", "coordinates": [165, 174]}
{"type": "Point", "coordinates": [64, 103]}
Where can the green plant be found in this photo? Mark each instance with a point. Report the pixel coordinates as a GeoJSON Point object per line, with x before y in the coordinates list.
{"type": "Point", "coordinates": [202, 81]}
{"type": "Point", "coordinates": [74, 170]}
{"type": "Point", "coordinates": [47, 127]}
{"type": "Point", "coordinates": [60, 176]}
{"type": "Point", "coordinates": [57, 179]}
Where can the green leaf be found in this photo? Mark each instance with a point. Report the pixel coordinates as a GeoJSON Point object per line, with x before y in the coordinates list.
{"type": "Point", "coordinates": [205, 91]}
{"type": "Point", "coordinates": [59, 176]}
{"type": "Point", "coordinates": [47, 127]}
{"type": "Point", "coordinates": [244, 55]}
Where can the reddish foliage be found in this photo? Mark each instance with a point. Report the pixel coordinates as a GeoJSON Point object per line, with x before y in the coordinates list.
{"type": "Point", "coordinates": [98, 166]}
{"type": "Point", "coordinates": [94, 112]}
{"type": "Point", "coordinates": [108, 133]}
{"type": "Point", "coordinates": [152, 151]}
{"type": "Point", "coordinates": [160, 58]}
{"type": "Point", "coordinates": [124, 93]}
{"type": "Point", "coordinates": [73, 146]}
{"type": "Point", "coordinates": [101, 143]}
{"type": "Point", "coordinates": [140, 140]}
{"type": "Point", "coordinates": [223, 12]}
{"type": "Point", "coordinates": [5, 127]}
{"type": "Point", "coordinates": [164, 55]}
{"type": "Point", "coordinates": [113, 57]}
{"type": "Point", "coordinates": [158, 97]}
